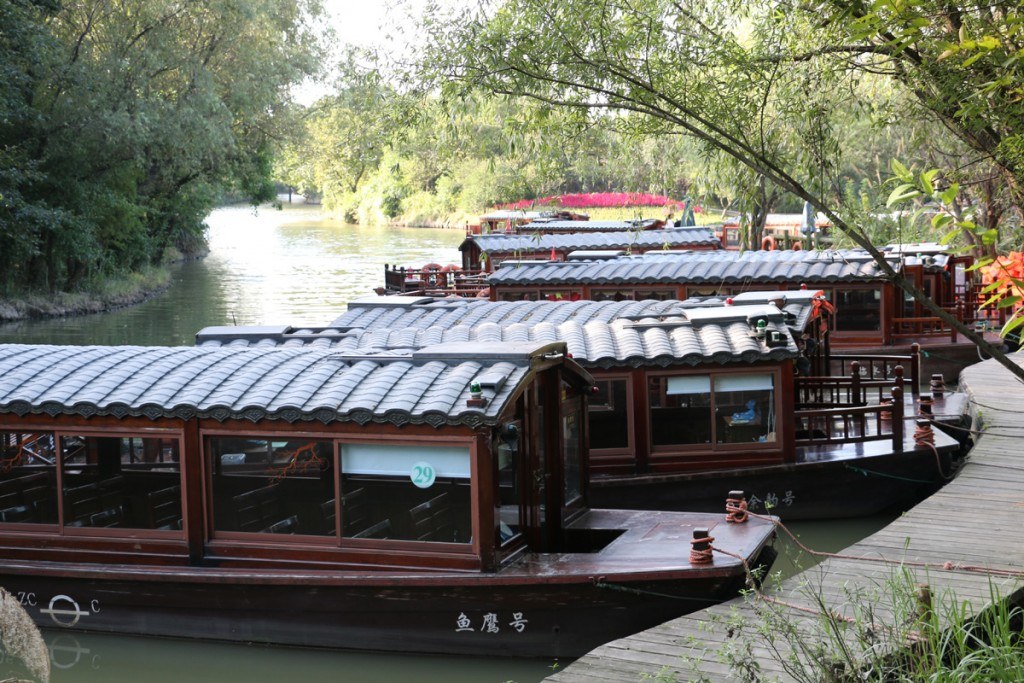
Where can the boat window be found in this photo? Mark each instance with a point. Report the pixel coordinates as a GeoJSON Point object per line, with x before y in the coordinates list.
{"type": "Point", "coordinates": [280, 485]}
{"type": "Point", "coordinates": [858, 310]}
{"type": "Point", "coordinates": [510, 494]}
{"type": "Point", "coordinates": [680, 410]}
{"type": "Point", "coordinates": [744, 408]}
{"type": "Point", "coordinates": [720, 408]}
{"type": "Point", "coordinates": [597, 294]}
{"type": "Point", "coordinates": [609, 415]}
{"type": "Point", "coordinates": [28, 478]}
{"type": "Point", "coordinates": [654, 294]}
{"type": "Point", "coordinates": [571, 450]}
{"type": "Point", "coordinates": [126, 482]}
{"type": "Point", "coordinates": [409, 491]}
{"type": "Point", "coordinates": [517, 295]}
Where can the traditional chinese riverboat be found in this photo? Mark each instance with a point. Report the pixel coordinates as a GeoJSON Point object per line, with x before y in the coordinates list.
{"type": "Point", "coordinates": [873, 315]}
{"type": "Point", "coordinates": [694, 397]}
{"type": "Point", "coordinates": [427, 500]}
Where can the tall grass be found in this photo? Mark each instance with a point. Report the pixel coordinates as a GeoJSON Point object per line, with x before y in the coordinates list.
{"type": "Point", "coordinates": [896, 633]}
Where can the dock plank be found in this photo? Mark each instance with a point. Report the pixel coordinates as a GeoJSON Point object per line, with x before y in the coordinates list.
{"type": "Point", "coordinates": [974, 521]}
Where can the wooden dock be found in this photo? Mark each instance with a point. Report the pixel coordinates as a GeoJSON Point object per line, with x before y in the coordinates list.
{"type": "Point", "coordinates": [966, 543]}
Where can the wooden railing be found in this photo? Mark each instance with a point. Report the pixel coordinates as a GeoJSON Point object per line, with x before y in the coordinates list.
{"type": "Point", "coordinates": [444, 281]}
{"type": "Point", "coordinates": [856, 389]}
{"type": "Point", "coordinates": [921, 327]}
{"type": "Point", "coordinates": [853, 424]}
{"type": "Point", "coordinates": [874, 367]}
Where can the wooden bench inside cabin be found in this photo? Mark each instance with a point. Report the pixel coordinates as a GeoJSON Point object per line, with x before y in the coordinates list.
{"type": "Point", "coordinates": [260, 510]}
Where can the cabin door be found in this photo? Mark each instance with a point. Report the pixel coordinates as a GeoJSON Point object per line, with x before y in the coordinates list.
{"type": "Point", "coordinates": [541, 454]}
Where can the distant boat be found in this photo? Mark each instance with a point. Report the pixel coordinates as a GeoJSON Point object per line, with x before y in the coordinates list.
{"type": "Point", "coordinates": [432, 500]}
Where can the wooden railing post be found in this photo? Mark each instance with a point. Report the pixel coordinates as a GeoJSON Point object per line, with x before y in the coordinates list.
{"type": "Point", "coordinates": [915, 370]}
{"type": "Point", "coordinates": [897, 419]}
{"type": "Point", "coordinates": [856, 399]}
{"type": "Point", "coordinates": [897, 375]}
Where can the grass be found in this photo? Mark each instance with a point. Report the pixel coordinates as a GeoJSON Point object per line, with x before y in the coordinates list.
{"type": "Point", "coordinates": [102, 296]}
{"type": "Point", "coordinates": [896, 633]}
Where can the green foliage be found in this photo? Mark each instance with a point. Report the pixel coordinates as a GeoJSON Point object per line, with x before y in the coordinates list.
{"type": "Point", "coordinates": [128, 120]}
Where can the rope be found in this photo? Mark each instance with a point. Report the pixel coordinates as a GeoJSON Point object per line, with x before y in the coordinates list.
{"type": "Point", "coordinates": [702, 556]}
{"type": "Point", "coordinates": [924, 436]}
{"type": "Point", "coordinates": [861, 470]}
{"type": "Point", "coordinates": [600, 583]}
{"type": "Point", "coordinates": [946, 566]}
{"type": "Point", "coordinates": [736, 510]}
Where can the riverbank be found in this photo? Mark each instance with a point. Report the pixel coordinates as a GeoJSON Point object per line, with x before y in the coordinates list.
{"type": "Point", "coordinates": [111, 295]}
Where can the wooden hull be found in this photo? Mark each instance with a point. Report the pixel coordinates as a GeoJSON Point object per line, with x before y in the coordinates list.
{"type": "Point", "coordinates": [830, 488]}
{"type": "Point", "coordinates": [478, 615]}
{"type": "Point", "coordinates": [561, 604]}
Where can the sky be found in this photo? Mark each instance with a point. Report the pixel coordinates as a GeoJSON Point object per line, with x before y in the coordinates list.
{"type": "Point", "coordinates": [363, 23]}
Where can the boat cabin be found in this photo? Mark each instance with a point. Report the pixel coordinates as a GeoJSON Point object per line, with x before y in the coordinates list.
{"type": "Point", "coordinates": [485, 252]}
{"type": "Point", "coordinates": [199, 454]}
{"type": "Point", "coordinates": [426, 500]}
{"type": "Point", "coordinates": [511, 220]}
{"type": "Point", "coordinates": [869, 307]}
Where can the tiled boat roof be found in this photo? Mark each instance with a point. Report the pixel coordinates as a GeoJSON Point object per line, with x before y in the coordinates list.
{"type": "Point", "coordinates": [598, 333]}
{"type": "Point", "coordinates": [700, 267]}
{"type": "Point", "coordinates": [428, 386]}
{"type": "Point", "coordinates": [556, 225]}
{"type": "Point", "coordinates": [622, 239]}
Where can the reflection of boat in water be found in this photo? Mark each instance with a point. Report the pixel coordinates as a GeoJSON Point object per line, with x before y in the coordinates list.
{"type": "Point", "coordinates": [427, 501]}
{"type": "Point", "coordinates": [81, 657]}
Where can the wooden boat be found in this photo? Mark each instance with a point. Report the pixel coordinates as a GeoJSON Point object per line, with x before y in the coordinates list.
{"type": "Point", "coordinates": [874, 315]}
{"type": "Point", "coordinates": [693, 397]}
{"type": "Point", "coordinates": [432, 500]}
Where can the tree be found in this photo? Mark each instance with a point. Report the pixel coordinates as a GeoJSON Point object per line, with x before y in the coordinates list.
{"type": "Point", "coordinates": [737, 77]}
{"type": "Point", "coordinates": [139, 116]}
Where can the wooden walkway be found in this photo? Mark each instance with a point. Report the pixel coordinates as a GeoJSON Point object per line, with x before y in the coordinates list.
{"type": "Point", "coordinates": [975, 522]}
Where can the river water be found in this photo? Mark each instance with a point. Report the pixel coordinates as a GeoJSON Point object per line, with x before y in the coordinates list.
{"type": "Point", "coordinates": [290, 267]}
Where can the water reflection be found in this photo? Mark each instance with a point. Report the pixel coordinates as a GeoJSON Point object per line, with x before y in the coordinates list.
{"type": "Point", "coordinates": [265, 267]}
{"type": "Point", "coordinates": [87, 658]}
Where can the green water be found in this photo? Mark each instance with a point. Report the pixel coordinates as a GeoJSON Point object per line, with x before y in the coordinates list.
{"type": "Point", "coordinates": [290, 267]}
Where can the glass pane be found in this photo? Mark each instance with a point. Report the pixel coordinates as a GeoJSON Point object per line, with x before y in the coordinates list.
{"type": "Point", "coordinates": [28, 478]}
{"type": "Point", "coordinates": [609, 415]}
{"type": "Point", "coordinates": [126, 482]}
{"type": "Point", "coordinates": [411, 492]}
{"type": "Point", "coordinates": [679, 418]}
{"type": "Point", "coordinates": [279, 485]}
{"type": "Point", "coordinates": [858, 309]}
{"type": "Point", "coordinates": [510, 494]}
{"type": "Point", "coordinates": [571, 448]}
{"type": "Point", "coordinates": [745, 407]}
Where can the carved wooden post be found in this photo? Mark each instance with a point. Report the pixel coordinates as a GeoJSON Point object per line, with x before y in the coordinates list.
{"type": "Point", "coordinates": [856, 399]}
{"type": "Point", "coordinates": [897, 419]}
{"type": "Point", "coordinates": [915, 369]}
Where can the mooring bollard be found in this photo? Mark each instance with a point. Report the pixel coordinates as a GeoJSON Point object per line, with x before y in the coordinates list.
{"type": "Point", "coordinates": [736, 507]}
{"type": "Point", "coordinates": [924, 407]}
{"type": "Point", "coordinates": [700, 547]}
{"type": "Point", "coordinates": [938, 386]}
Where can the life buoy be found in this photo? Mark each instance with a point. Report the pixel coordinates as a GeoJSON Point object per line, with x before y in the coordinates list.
{"type": "Point", "coordinates": [798, 245]}
{"type": "Point", "coordinates": [451, 268]}
{"type": "Point", "coordinates": [768, 243]}
{"type": "Point", "coordinates": [431, 273]}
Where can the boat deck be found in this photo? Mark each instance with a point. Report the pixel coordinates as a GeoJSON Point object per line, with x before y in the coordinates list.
{"type": "Point", "coordinates": [965, 542]}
